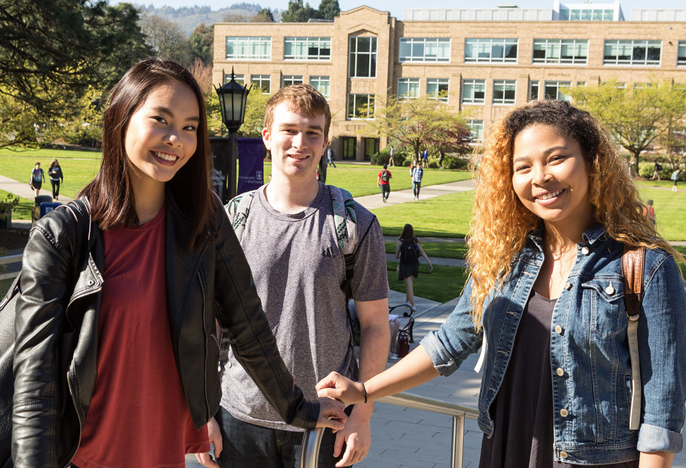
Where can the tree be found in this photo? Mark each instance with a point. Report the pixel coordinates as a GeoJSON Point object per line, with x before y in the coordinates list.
{"type": "Point", "coordinates": [329, 9]}
{"type": "Point", "coordinates": [420, 123]}
{"type": "Point", "coordinates": [298, 13]}
{"type": "Point", "coordinates": [51, 52]}
{"type": "Point", "coordinates": [635, 117]}
{"type": "Point", "coordinates": [202, 43]}
{"type": "Point", "coordinates": [166, 39]}
{"type": "Point", "coordinates": [265, 15]}
{"type": "Point", "coordinates": [254, 115]}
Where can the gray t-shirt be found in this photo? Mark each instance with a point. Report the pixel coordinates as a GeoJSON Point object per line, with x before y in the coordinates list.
{"type": "Point", "coordinates": [298, 270]}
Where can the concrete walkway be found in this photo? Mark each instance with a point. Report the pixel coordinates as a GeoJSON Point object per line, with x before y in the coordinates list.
{"type": "Point", "coordinates": [402, 196]}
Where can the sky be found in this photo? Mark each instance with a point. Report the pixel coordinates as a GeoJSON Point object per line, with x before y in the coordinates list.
{"type": "Point", "coordinates": [397, 7]}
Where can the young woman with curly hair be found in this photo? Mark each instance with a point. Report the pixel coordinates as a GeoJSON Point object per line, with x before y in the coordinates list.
{"type": "Point", "coordinates": [554, 209]}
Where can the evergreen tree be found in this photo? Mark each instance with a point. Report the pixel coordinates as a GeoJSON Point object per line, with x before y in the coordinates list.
{"type": "Point", "coordinates": [298, 13]}
{"type": "Point", "coordinates": [329, 9]}
{"type": "Point", "coordinates": [201, 42]}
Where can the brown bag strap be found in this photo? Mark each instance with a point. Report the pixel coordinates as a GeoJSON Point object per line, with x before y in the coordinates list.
{"type": "Point", "coordinates": [633, 263]}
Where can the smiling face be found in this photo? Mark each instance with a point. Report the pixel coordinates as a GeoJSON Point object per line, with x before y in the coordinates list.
{"type": "Point", "coordinates": [162, 134]}
{"type": "Point", "coordinates": [550, 177]}
{"type": "Point", "coordinates": [296, 142]}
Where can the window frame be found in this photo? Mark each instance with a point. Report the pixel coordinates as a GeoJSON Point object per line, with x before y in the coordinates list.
{"type": "Point", "coordinates": [473, 82]}
{"type": "Point", "coordinates": [557, 84]}
{"type": "Point", "coordinates": [410, 83]}
{"type": "Point", "coordinates": [371, 98]}
{"type": "Point", "coordinates": [549, 44]}
{"type": "Point", "coordinates": [260, 80]}
{"type": "Point", "coordinates": [259, 42]}
{"type": "Point", "coordinates": [438, 82]}
{"type": "Point", "coordinates": [422, 42]}
{"type": "Point", "coordinates": [504, 100]}
{"type": "Point", "coordinates": [355, 55]}
{"type": "Point", "coordinates": [635, 45]}
{"type": "Point", "coordinates": [478, 125]}
{"type": "Point", "coordinates": [321, 79]}
{"type": "Point", "coordinates": [304, 41]}
{"type": "Point", "coordinates": [476, 43]}
{"type": "Point", "coordinates": [681, 54]}
{"type": "Point", "coordinates": [293, 80]}
{"type": "Point", "coordinates": [537, 85]}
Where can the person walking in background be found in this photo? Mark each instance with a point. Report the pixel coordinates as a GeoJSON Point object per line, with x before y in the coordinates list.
{"type": "Point", "coordinates": [441, 157]}
{"type": "Point", "coordinates": [121, 369]}
{"type": "Point", "coordinates": [675, 178]}
{"type": "Point", "coordinates": [37, 178]}
{"type": "Point", "coordinates": [391, 159]}
{"type": "Point", "coordinates": [329, 157]}
{"type": "Point", "coordinates": [554, 210]}
{"type": "Point", "coordinates": [425, 158]}
{"type": "Point", "coordinates": [656, 171]}
{"type": "Point", "coordinates": [407, 250]}
{"type": "Point", "coordinates": [56, 175]}
{"type": "Point", "coordinates": [290, 236]}
{"type": "Point", "coordinates": [417, 172]}
{"type": "Point", "coordinates": [383, 180]}
{"type": "Point", "coordinates": [649, 211]}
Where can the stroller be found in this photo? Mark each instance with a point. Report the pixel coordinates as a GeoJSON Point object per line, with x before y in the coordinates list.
{"type": "Point", "coordinates": [405, 335]}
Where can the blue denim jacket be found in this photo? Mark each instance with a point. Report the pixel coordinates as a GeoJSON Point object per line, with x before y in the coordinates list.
{"type": "Point", "coordinates": [589, 355]}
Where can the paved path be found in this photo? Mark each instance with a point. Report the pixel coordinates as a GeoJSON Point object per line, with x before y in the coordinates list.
{"type": "Point", "coordinates": [402, 196]}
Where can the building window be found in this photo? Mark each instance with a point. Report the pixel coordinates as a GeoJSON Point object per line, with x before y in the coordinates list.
{"type": "Point", "coordinates": [291, 80]}
{"type": "Point", "coordinates": [307, 48]}
{"type": "Point", "coordinates": [321, 84]}
{"type": "Point", "coordinates": [553, 90]}
{"type": "Point", "coordinates": [408, 88]}
{"type": "Point", "coordinates": [362, 57]}
{"type": "Point", "coordinates": [262, 82]}
{"type": "Point", "coordinates": [476, 127]}
{"type": "Point", "coordinates": [360, 106]}
{"type": "Point", "coordinates": [349, 148]}
{"type": "Point", "coordinates": [586, 14]}
{"type": "Point", "coordinates": [630, 52]}
{"type": "Point", "coordinates": [240, 79]}
{"type": "Point", "coordinates": [424, 49]}
{"type": "Point", "coordinates": [533, 90]}
{"type": "Point", "coordinates": [438, 88]}
{"type": "Point", "coordinates": [580, 84]}
{"type": "Point", "coordinates": [490, 50]}
{"type": "Point", "coordinates": [504, 91]}
{"type": "Point", "coordinates": [248, 48]}
{"type": "Point", "coordinates": [681, 54]}
{"type": "Point", "coordinates": [473, 91]}
{"type": "Point", "coordinates": [561, 51]}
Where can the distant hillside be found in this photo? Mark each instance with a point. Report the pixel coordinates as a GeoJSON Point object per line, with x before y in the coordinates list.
{"type": "Point", "coordinates": [190, 17]}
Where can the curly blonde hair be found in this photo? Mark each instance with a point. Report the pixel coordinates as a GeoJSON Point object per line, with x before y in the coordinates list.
{"type": "Point", "coordinates": [501, 223]}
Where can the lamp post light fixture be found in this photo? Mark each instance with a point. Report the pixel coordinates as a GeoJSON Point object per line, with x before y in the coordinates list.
{"type": "Point", "coordinates": [232, 100]}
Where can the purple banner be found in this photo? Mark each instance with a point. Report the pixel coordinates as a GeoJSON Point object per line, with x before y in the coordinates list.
{"type": "Point", "coordinates": [250, 164]}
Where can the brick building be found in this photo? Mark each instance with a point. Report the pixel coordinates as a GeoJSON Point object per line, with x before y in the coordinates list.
{"type": "Point", "coordinates": [482, 61]}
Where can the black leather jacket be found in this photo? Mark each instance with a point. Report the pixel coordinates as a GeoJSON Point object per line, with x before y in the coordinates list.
{"type": "Point", "coordinates": [56, 355]}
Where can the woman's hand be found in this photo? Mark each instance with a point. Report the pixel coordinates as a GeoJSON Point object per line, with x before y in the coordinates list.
{"type": "Point", "coordinates": [331, 414]}
{"type": "Point", "coordinates": [215, 436]}
{"type": "Point", "coordinates": [341, 388]}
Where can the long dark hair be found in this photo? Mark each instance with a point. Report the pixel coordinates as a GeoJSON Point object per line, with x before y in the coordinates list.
{"type": "Point", "coordinates": [408, 234]}
{"type": "Point", "coordinates": [111, 193]}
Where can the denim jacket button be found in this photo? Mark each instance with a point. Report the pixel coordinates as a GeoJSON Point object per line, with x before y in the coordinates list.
{"type": "Point", "coordinates": [585, 250]}
{"type": "Point", "coordinates": [610, 290]}
{"type": "Point", "coordinates": [564, 413]}
{"type": "Point", "coordinates": [568, 286]}
{"type": "Point", "coordinates": [563, 454]}
{"type": "Point", "coordinates": [559, 371]}
{"type": "Point", "coordinates": [558, 329]}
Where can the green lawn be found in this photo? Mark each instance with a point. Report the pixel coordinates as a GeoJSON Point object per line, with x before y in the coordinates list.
{"type": "Point", "coordinates": [444, 216]}
{"type": "Point", "coordinates": [669, 211]}
{"type": "Point", "coordinates": [443, 284]}
{"type": "Point", "coordinates": [456, 250]}
{"type": "Point", "coordinates": [23, 210]}
{"type": "Point", "coordinates": [79, 167]}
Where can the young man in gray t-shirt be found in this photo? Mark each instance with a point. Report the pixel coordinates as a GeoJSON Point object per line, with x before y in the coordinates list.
{"type": "Point", "coordinates": [290, 243]}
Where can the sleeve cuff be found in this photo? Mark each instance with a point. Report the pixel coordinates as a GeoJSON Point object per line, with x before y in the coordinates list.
{"type": "Point", "coordinates": [658, 439]}
{"type": "Point", "coordinates": [443, 362]}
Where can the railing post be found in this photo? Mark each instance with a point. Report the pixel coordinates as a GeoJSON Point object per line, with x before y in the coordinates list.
{"type": "Point", "coordinates": [309, 455]}
{"type": "Point", "coordinates": [458, 442]}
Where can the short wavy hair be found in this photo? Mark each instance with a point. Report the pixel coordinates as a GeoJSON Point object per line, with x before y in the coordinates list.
{"type": "Point", "coordinates": [501, 223]}
{"type": "Point", "coordinates": [301, 98]}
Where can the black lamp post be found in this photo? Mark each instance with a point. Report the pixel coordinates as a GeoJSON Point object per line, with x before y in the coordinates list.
{"type": "Point", "coordinates": [232, 99]}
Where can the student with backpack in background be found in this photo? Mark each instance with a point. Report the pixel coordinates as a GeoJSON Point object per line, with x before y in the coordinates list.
{"type": "Point", "coordinates": [408, 250]}
{"type": "Point", "coordinates": [675, 178]}
{"type": "Point", "coordinates": [383, 180]}
{"type": "Point", "coordinates": [416, 172]}
{"type": "Point", "coordinates": [37, 178]}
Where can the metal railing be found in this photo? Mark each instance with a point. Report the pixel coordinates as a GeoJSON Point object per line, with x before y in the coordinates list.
{"type": "Point", "coordinates": [313, 437]}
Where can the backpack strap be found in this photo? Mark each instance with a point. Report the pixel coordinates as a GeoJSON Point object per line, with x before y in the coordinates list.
{"type": "Point", "coordinates": [633, 262]}
{"type": "Point", "coordinates": [345, 221]}
{"type": "Point", "coordinates": [238, 209]}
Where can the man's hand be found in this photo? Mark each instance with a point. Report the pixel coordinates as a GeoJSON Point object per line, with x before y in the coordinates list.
{"type": "Point", "coordinates": [331, 414]}
{"type": "Point", "coordinates": [341, 388]}
{"type": "Point", "coordinates": [215, 437]}
{"type": "Point", "coordinates": [357, 436]}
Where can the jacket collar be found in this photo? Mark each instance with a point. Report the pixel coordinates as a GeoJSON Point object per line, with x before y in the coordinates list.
{"type": "Point", "coordinates": [590, 237]}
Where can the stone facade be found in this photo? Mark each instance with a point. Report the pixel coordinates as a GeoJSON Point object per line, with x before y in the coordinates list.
{"type": "Point", "coordinates": [354, 139]}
